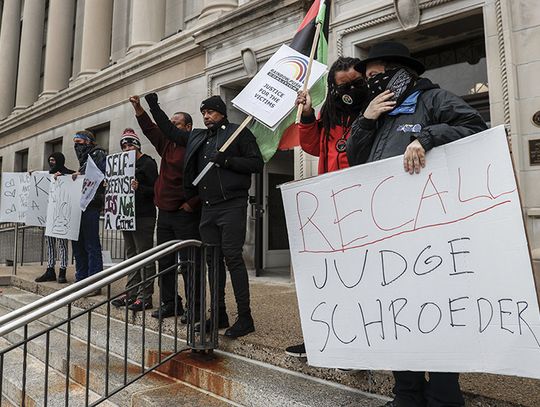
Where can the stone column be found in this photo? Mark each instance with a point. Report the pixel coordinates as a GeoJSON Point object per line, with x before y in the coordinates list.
{"type": "Point", "coordinates": [9, 52]}
{"type": "Point", "coordinates": [59, 46]}
{"type": "Point", "coordinates": [120, 30]}
{"type": "Point", "coordinates": [147, 23]}
{"type": "Point", "coordinates": [217, 7]}
{"type": "Point", "coordinates": [30, 54]}
{"type": "Point", "coordinates": [96, 36]}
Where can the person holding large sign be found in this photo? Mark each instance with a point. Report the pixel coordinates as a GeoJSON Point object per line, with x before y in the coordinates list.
{"type": "Point", "coordinates": [409, 115]}
{"type": "Point", "coordinates": [55, 245]}
{"type": "Point", "coordinates": [327, 136]}
{"type": "Point", "coordinates": [142, 238]}
{"type": "Point", "coordinates": [87, 249]}
{"type": "Point", "coordinates": [223, 193]}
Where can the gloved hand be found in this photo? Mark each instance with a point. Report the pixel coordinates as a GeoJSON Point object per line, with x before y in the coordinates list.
{"type": "Point", "coordinates": [152, 99]}
{"type": "Point", "coordinates": [219, 158]}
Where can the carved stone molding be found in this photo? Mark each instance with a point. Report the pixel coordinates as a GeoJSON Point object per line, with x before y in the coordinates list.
{"type": "Point", "coordinates": [408, 13]}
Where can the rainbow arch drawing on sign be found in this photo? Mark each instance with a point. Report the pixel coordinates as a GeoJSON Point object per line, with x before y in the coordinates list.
{"type": "Point", "coordinates": [297, 65]}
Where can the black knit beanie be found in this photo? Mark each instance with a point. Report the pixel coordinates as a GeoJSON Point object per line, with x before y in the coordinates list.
{"type": "Point", "coordinates": [214, 103]}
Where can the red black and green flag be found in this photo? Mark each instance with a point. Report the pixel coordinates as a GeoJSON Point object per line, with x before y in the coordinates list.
{"type": "Point", "coordinates": [285, 136]}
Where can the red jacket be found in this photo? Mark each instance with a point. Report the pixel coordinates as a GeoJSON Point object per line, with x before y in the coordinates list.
{"type": "Point", "coordinates": [314, 142]}
{"type": "Point", "coordinates": [168, 190]}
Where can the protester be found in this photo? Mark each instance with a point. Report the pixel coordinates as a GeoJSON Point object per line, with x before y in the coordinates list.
{"type": "Point", "coordinates": [178, 216]}
{"type": "Point", "coordinates": [142, 238]}
{"type": "Point", "coordinates": [87, 249]}
{"type": "Point", "coordinates": [327, 136]}
{"type": "Point", "coordinates": [409, 115]}
{"type": "Point", "coordinates": [55, 245]}
{"type": "Point", "coordinates": [223, 193]}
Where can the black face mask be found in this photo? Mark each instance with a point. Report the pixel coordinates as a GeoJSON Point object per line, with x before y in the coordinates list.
{"type": "Point", "coordinates": [82, 150]}
{"type": "Point", "coordinates": [351, 95]}
{"type": "Point", "coordinates": [396, 80]}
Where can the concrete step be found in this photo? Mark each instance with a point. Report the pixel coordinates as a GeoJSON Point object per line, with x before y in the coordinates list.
{"type": "Point", "coordinates": [12, 383]}
{"type": "Point", "coordinates": [178, 394]}
{"type": "Point", "coordinates": [257, 384]}
{"type": "Point", "coordinates": [235, 379]}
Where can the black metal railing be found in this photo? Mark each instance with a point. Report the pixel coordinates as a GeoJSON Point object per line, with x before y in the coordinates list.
{"type": "Point", "coordinates": [193, 260]}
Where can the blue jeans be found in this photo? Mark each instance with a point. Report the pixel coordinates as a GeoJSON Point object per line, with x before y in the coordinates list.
{"type": "Point", "coordinates": [87, 250]}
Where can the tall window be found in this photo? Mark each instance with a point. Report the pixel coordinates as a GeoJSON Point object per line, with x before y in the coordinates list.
{"type": "Point", "coordinates": [21, 161]}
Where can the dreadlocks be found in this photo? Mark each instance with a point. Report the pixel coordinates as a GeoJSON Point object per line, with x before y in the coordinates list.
{"type": "Point", "coordinates": [332, 112]}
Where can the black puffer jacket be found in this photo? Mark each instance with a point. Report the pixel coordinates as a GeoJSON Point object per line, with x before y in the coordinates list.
{"type": "Point", "coordinates": [220, 184]}
{"type": "Point", "coordinates": [441, 116]}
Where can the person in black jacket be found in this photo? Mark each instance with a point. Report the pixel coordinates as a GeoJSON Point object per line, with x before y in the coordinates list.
{"type": "Point", "coordinates": [56, 245]}
{"type": "Point", "coordinates": [409, 115]}
{"type": "Point", "coordinates": [223, 193]}
{"type": "Point", "coordinates": [141, 239]}
{"type": "Point", "coordinates": [87, 249]}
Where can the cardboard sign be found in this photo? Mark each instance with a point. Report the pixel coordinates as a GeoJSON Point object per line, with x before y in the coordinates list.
{"type": "Point", "coordinates": [423, 272]}
{"type": "Point", "coordinates": [271, 94]}
{"type": "Point", "coordinates": [14, 196]}
{"type": "Point", "coordinates": [92, 180]}
{"type": "Point", "coordinates": [38, 198]}
{"type": "Point", "coordinates": [119, 196]}
{"type": "Point", "coordinates": [63, 211]}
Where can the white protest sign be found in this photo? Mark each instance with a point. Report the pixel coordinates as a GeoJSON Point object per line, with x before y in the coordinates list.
{"type": "Point", "coordinates": [424, 272]}
{"type": "Point", "coordinates": [92, 180]}
{"type": "Point", "coordinates": [271, 94]}
{"type": "Point", "coordinates": [38, 198]}
{"type": "Point", "coordinates": [14, 196]}
{"type": "Point", "coordinates": [119, 196]}
{"type": "Point", "coordinates": [63, 210]}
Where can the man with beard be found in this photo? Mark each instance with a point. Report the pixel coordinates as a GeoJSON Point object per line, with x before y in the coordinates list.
{"type": "Point", "coordinates": [327, 136]}
{"type": "Point", "coordinates": [55, 245]}
{"type": "Point", "coordinates": [409, 115]}
{"type": "Point", "coordinates": [223, 193]}
{"type": "Point", "coordinates": [87, 249]}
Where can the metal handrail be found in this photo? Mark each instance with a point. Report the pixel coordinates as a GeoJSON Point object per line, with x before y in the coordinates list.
{"type": "Point", "coordinates": [74, 292]}
{"type": "Point", "coordinates": [81, 284]}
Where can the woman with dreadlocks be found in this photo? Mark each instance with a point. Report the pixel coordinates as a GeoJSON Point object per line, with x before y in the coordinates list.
{"type": "Point", "coordinates": [327, 136]}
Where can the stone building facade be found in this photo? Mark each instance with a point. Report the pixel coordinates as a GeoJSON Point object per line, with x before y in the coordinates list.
{"type": "Point", "coordinates": [72, 64]}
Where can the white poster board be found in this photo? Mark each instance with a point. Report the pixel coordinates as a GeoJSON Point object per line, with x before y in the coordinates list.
{"type": "Point", "coordinates": [14, 196]}
{"type": "Point", "coordinates": [271, 94]}
{"type": "Point", "coordinates": [119, 195]}
{"type": "Point", "coordinates": [63, 211]}
{"type": "Point", "coordinates": [38, 198]}
{"type": "Point", "coordinates": [91, 182]}
{"type": "Point", "coordinates": [427, 272]}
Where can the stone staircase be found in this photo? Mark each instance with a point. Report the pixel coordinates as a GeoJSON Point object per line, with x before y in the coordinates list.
{"type": "Point", "coordinates": [183, 381]}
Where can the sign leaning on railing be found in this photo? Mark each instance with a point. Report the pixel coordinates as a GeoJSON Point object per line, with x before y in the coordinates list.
{"type": "Point", "coordinates": [14, 196]}
{"type": "Point", "coordinates": [427, 272]}
{"type": "Point", "coordinates": [119, 195]}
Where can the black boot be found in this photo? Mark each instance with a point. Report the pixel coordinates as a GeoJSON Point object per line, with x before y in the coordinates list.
{"type": "Point", "coordinates": [49, 275]}
{"type": "Point", "coordinates": [243, 326]}
{"type": "Point", "coordinates": [62, 276]}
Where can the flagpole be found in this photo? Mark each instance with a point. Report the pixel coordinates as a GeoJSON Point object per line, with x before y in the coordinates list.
{"type": "Point", "coordinates": [222, 149]}
{"type": "Point", "coordinates": [308, 73]}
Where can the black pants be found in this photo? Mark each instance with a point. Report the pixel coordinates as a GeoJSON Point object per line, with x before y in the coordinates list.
{"type": "Point", "coordinates": [413, 390]}
{"type": "Point", "coordinates": [170, 226]}
{"type": "Point", "coordinates": [225, 226]}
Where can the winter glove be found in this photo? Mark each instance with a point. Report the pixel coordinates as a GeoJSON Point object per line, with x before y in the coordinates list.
{"type": "Point", "coordinates": [152, 100]}
{"type": "Point", "coordinates": [219, 158]}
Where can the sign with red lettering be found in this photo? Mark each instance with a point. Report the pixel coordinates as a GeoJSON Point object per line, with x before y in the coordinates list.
{"type": "Point", "coordinates": [423, 272]}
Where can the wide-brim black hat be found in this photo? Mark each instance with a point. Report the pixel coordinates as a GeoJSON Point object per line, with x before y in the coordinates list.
{"type": "Point", "coordinates": [391, 51]}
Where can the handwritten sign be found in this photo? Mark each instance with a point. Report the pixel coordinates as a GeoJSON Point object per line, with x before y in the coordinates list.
{"type": "Point", "coordinates": [271, 94]}
{"type": "Point", "coordinates": [63, 211]}
{"type": "Point", "coordinates": [119, 196]}
{"type": "Point", "coordinates": [91, 182]}
{"type": "Point", "coordinates": [417, 272]}
{"type": "Point", "coordinates": [38, 198]}
{"type": "Point", "coordinates": [14, 196]}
